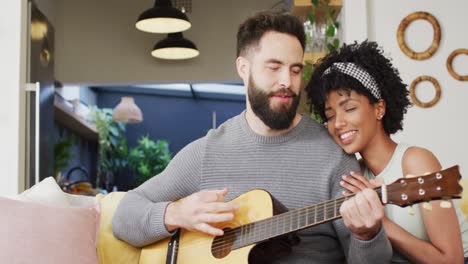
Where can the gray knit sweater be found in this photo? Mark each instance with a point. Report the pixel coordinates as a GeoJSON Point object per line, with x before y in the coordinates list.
{"type": "Point", "coordinates": [299, 168]}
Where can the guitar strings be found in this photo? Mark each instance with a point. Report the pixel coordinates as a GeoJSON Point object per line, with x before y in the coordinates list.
{"type": "Point", "coordinates": [260, 227]}
{"type": "Point", "coordinates": [230, 236]}
{"type": "Point", "coordinates": [230, 233]}
{"type": "Point", "coordinates": [297, 215]}
{"type": "Point", "coordinates": [225, 244]}
{"type": "Point", "coordinates": [222, 243]}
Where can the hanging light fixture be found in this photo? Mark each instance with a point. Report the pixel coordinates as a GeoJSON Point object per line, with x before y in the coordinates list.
{"type": "Point", "coordinates": [127, 111]}
{"type": "Point", "coordinates": [175, 47]}
{"type": "Point", "coordinates": [39, 26]}
{"type": "Point", "coordinates": [163, 18]}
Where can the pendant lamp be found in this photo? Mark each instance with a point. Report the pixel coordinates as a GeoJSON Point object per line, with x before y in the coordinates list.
{"type": "Point", "coordinates": [163, 18]}
{"type": "Point", "coordinates": [39, 27]}
{"type": "Point", "coordinates": [127, 111]}
{"type": "Point", "coordinates": [175, 47]}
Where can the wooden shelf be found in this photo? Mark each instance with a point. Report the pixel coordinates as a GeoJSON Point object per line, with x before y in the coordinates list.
{"type": "Point", "coordinates": [72, 121]}
{"type": "Point", "coordinates": [301, 8]}
{"type": "Point", "coordinates": [313, 57]}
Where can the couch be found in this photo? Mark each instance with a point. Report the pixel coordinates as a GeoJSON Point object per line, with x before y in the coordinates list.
{"type": "Point", "coordinates": [46, 225]}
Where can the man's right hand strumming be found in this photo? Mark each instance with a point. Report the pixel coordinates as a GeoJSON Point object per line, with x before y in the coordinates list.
{"type": "Point", "coordinates": [199, 211]}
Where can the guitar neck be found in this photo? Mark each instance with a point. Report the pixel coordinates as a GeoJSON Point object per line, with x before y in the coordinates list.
{"type": "Point", "coordinates": [288, 222]}
{"type": "Point", "coordinates": [403, 192]}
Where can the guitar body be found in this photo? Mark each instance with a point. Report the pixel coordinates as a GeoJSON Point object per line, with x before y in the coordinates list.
{"type": "Point", "coordinates": [196, 247]}
{"type": "Point", "coordinates": [263, 230]}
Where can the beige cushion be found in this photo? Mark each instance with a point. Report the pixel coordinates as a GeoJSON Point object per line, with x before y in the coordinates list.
{"type": "Point", "coordinates": [49, 192]}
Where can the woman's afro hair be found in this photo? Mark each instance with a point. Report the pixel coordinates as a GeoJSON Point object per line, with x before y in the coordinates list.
{"type": "Point", "coordinates": [370, 58]}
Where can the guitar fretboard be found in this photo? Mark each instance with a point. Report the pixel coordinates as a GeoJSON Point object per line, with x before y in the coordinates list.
{"type": "Point", "coordinates": [285, 223]}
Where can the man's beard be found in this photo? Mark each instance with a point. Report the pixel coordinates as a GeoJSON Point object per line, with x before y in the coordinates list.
{"type": "Point", "coordinates": [260, 104]}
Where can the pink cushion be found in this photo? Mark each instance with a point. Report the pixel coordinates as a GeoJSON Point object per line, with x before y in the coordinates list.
{"type": "Point", "coordinates": [35, 233]}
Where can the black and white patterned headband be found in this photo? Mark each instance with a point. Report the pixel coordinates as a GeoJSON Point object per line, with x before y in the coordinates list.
{"type": "Point", "coordinates": [357, 73]}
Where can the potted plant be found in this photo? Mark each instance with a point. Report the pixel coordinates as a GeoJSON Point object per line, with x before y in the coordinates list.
{"type": "Point", "coordinates": [148, 158]}
{"type": "Point", "coordinates": [113, 149]}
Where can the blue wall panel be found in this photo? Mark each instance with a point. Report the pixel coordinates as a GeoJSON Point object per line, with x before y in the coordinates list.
{"type": "Point", "coordinates": [178, 119]}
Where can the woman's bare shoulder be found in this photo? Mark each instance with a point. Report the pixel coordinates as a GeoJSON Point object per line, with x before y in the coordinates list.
{"type": "Point", "coordinates": [417, 160]}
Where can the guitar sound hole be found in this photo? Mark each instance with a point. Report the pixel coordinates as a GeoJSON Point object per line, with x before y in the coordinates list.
{"type": "Point", "coordinates": [222, 245]}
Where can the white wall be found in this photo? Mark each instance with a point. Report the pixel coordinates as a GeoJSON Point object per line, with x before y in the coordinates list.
{"type": "Point", "coordinates": [442, 128]}
{"type": "Point", "coordinates": [12, 65]}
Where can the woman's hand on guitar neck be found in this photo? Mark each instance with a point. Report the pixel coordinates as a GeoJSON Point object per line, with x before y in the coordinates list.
{"type": "Point", "coordinates": [199, 211]}
{"type": "Point", "coordinates": [355, 182]}
{"type": "Point", "coordinates": [363, 214]}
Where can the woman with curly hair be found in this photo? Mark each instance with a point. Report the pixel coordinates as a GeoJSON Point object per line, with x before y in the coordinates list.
{"type": "Point", "coordinates": [362, 99]}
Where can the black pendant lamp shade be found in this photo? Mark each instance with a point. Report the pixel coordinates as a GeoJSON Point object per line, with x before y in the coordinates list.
{"type": "Point", "coordinates": [175, 47]}
{"type": "Point", "coordinates": [163, 18]}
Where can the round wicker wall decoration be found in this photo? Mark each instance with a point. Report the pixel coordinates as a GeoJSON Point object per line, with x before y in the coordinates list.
{"type": "Point", "coordinates": [436, 98]}
{"type": "Point", "coordinates": [449, 64]}
{"type": "Point", "coordinates": [435, 41]}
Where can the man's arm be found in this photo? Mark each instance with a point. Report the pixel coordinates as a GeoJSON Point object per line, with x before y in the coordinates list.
{"type": "Point", "coordinates": [139, 218]}
{"type": "Point", "coordinates": [363, 242]}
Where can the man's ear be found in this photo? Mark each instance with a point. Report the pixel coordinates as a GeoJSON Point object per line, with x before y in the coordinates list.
{"type": "Point", "coordinates": [242, 65]}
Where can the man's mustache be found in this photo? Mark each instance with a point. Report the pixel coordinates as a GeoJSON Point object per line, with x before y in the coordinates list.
{"type": "Point", "coordinates": [283, 92]}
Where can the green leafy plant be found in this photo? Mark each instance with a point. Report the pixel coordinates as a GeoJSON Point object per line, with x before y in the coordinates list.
{"type": "Point", "coordinates": [62, 154]}
{"type": "Point", "coordinates": [113, 150]}
{"type": "Point", "coordinates": [149, 158]}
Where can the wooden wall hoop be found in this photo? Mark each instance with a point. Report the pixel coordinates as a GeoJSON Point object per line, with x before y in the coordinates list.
{"type": "Point", "coordinates": [435, 41]}
{"type": "Point", "coordinates": [419, 103]}
{"type": "Point", "coordinates": [449, 64]}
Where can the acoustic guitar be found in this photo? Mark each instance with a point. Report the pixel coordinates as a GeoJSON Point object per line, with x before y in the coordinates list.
{"type": "Point", "coordinates": [262, 230]}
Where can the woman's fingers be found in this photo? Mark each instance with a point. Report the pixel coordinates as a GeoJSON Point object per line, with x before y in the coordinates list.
{"type": "Point", "coordinates": [349, 187]}
{"type": "Point", "coordinates": [361, 179]}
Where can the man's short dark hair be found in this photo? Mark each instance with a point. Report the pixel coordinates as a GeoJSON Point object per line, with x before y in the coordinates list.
{"type": "Point", "coordinates": [251, 31]}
